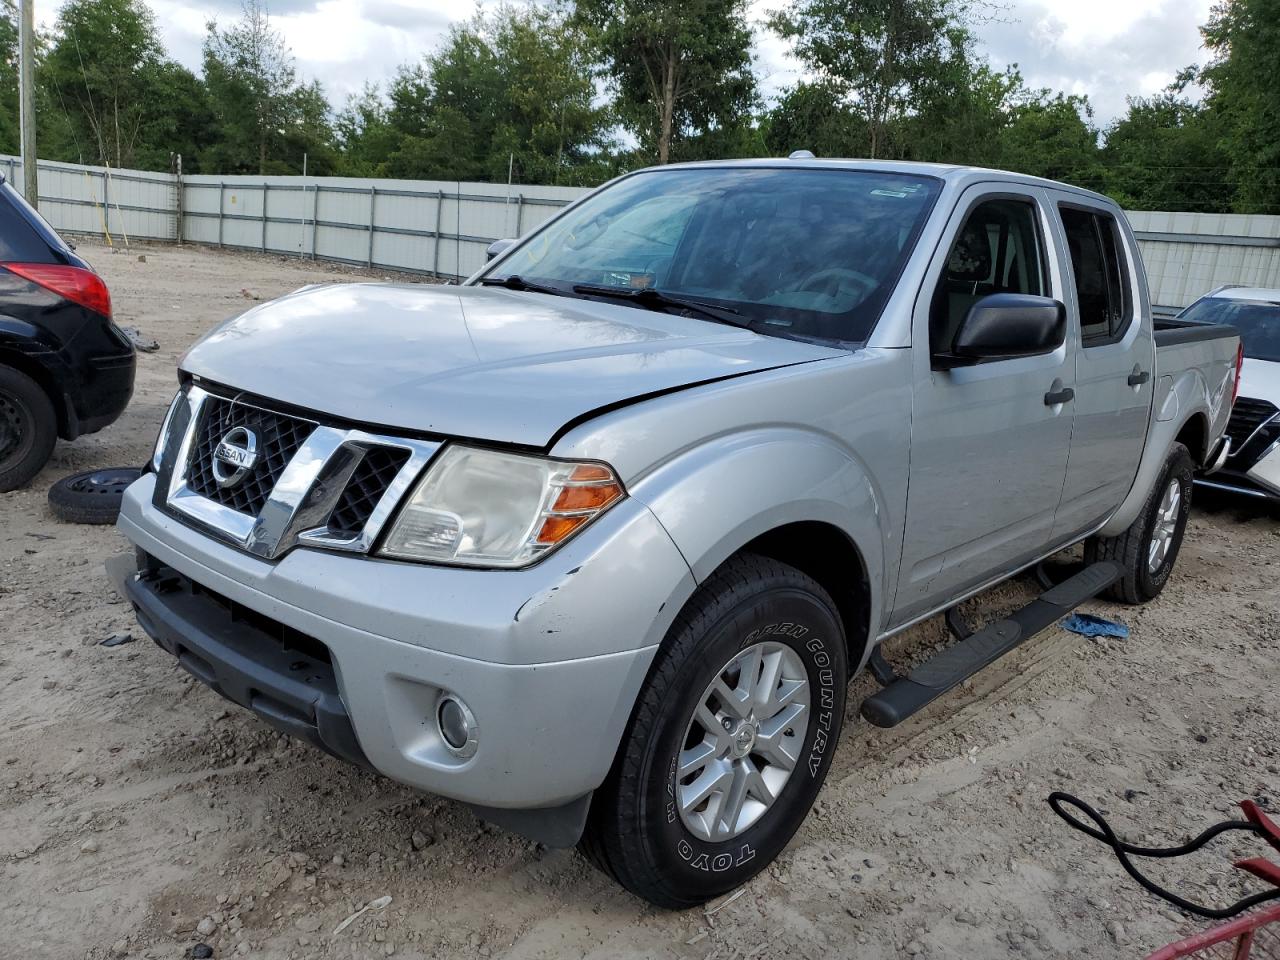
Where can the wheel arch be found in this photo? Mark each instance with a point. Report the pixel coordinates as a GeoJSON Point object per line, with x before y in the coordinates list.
{"type": "Point", "coordinates": [827, 554]}
{"type": "Point", "coordinates": [792, 495]}
{"type": "Point", "coordinates": [67, 424]}
{"type": "Point", "coordinates": [1194, 435]}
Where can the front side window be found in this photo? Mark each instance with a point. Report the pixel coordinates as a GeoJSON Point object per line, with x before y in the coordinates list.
{"type": "Point", "coordinates": [809, 253]}
{"type": "Point", "coordinates": [998, 250]}
{"type": "Point", "coordinates": [1098, 266]}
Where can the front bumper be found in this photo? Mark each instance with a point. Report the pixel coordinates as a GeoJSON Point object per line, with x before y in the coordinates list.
{"type": "Point", "coordinates": [286, 680]}
{"type": "Point", "coordinates": [549, 659]}
{"type": "Point", "coordinates": [1242, 473]}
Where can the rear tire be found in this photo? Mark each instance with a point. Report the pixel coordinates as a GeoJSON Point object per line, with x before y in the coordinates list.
{"type": "Point", "coordinates": [720, 714]}
{"type": "Point", "coordinates": [1148, 550]}
{"type": "Point", "coordinates": [28, 429]}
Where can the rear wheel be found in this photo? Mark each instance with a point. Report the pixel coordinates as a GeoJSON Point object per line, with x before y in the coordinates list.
{"type": "Point", "coordinates": [28, 429]}
{"type": "Point", "coordinates": [1148, 550]}
{"type": "Point", "coordinates": [730, 740]}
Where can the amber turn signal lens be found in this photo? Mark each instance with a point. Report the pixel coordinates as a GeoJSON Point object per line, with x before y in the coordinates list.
{"type": "Point", "coordinates": [586, 498]}
{"type": "Point", "coordinates": [591, 473]}
{"type": "Point", "coordinates": [555, 529]}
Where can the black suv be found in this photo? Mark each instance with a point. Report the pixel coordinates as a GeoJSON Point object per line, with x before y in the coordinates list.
{"type": "Point", "coordinates": [65, 368]}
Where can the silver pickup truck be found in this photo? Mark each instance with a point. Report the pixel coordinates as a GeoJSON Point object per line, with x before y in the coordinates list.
{"type": "Point", "coordinates": [594, 541]}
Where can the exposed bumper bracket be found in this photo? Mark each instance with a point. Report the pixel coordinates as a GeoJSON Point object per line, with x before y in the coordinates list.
{"type": "Point", "coordinates": [293, 689]}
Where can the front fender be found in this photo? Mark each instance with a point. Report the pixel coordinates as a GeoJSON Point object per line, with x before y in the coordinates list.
{"type": "Point", "coordinates": [721, 495]}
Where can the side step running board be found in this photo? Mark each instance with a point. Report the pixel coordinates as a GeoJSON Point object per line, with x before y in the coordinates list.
{"type": "Point", "coordinates": [903, 696]}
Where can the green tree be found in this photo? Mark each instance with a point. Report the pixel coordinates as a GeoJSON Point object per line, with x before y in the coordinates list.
{"type": "Point", "coordinates": [10, 136]}
{"type": "Point", "coordinates": [815, 116]}
{"type": "Point", "coordinates": [1051, 135]}
{"type": "Point", "coordinates": [1244, 36]}
{"type": "Point", "coordinates": [965, 116]}
{"type": "Point", "coordinates": [1167, 153]}
{"type": "Point", "coordinates": [679, 69]}
{"type": "Point", "coordinates": [513, 84]}
{"type": "Point", "coordinates": [363, 133]}
{"type": "Point", "coordinates": [265, 119]}
{"type": "Point", "coordinates": [885, 59]}
{"type": "Point", "coordinates": [101, 71]}
{"type": "Point", "coordinates": [177, 118]}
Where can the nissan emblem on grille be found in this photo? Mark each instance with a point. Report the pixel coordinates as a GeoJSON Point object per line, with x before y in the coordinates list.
{"type": "Point", "coordinates": [235, 456]}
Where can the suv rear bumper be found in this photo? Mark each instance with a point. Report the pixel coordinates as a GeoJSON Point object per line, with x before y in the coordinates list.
{"type": "Point", "coordinates": [393, 635]}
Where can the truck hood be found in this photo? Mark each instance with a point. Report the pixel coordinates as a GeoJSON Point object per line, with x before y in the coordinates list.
{"type": "Point", "coordinates": [479, 362]}
{"type": "Point", "coordinates": [1260, 379]}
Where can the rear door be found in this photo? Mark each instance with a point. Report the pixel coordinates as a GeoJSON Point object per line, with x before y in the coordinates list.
{"type": "Point", "coordinates": [988, 453]}
{"type": "Point", "coordinates": [1114, 364]}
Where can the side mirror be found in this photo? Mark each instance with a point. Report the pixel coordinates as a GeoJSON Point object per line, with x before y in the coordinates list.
{"type": "Point", "coordinates": [1006, 325]}
{"type": "Point", "coordinates": [498, 248]}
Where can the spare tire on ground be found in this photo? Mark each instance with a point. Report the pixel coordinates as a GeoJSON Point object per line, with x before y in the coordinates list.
{"type": "Point", "coordinates": [93, 496]}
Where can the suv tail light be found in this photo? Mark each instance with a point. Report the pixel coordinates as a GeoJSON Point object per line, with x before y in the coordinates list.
{"type": "Point", "coordinates": [74, 283]}
{"type": "Point", "coordinates": [1235, 388]}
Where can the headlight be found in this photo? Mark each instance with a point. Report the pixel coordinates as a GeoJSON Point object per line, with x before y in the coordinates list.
{"type": "Point", "coordinates": [163, 438]}
{"type": "Point", "coordinates": [491, 509]}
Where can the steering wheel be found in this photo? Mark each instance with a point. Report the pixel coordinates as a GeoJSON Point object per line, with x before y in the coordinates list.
{"type": "Point", "coordinates": [831, 280]}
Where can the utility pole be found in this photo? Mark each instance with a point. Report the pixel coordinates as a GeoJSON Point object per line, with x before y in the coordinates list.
{"type": "Point", "coordinates": [27, 101]}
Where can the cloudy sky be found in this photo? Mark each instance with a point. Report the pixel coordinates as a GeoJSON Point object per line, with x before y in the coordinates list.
{"type": "Point", "coordinates": [1107, 49]}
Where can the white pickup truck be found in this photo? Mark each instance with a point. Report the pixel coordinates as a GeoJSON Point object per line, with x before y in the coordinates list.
{"type": "Point", "coordinates": [594, 541]}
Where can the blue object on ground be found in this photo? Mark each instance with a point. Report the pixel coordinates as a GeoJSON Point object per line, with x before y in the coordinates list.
{"type": "Point", "coordinates": [1087, 625]}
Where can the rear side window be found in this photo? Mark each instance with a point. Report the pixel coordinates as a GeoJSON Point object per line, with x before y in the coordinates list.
{"type": "Point", "coordinates": [24, 236]}
{"type": "Point", "coordinates": [998, 250]}
{"type": "Point", "coordinates": [1099, 268]}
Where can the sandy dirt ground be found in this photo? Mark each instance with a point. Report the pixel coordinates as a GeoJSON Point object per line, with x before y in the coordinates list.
{"type": "Point", "coordinates": [140, 814]}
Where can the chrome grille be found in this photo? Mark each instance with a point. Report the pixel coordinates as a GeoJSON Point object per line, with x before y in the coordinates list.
{"type": "Point", "coordinates": [365, 490]}
{"type": "Point", "coordinates": [279, 438]}
{"type": "Point", "coordinates": [310, 483]}
{"type": "Point", "coordinates": [1246, 417]}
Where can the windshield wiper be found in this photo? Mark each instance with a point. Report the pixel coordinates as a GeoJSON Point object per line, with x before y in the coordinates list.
{"type": "Point", "coordinates": [514, 281]}
{"type": "Point", "coordinates": [651, 299]}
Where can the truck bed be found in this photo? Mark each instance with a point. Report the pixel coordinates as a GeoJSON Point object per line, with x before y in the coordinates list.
{"type": "Point", "coordinates": [1170, 332]}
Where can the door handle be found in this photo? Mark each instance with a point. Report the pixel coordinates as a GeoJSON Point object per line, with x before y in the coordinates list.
{"type": "Point", "coordinates": [1055, 397]}
{"type": "Point", "coordinates": [1139, 377]}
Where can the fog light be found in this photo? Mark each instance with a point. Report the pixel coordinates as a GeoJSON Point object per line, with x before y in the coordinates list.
{"type": "Point", "coordinates": [457, 726]}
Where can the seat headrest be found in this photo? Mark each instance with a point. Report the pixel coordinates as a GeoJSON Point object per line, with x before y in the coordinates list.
{"type": "Point", "coordinates": [971, 256]}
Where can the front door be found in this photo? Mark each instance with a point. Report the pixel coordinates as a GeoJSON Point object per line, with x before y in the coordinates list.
{"type": "Point", "coordinates": [988, 453]}
{"type": "Point", "coordinates": [1114, 366]}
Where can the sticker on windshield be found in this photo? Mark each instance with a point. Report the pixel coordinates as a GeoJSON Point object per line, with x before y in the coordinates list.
{"type": "Point", "coordinates": [890, 193]}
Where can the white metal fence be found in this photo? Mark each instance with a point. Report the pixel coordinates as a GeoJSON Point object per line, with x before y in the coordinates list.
{"type": "Point", "coordinates": [441, 228]}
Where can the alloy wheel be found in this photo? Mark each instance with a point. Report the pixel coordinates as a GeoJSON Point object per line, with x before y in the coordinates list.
{"type": "Point", "coordinates": [1166, 524]}
{"type": "Point", "coordinates": [743, 742]}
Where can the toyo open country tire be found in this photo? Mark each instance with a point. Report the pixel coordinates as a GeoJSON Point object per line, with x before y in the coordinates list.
{"type": "Point", "coordinates": [756, 642]}
{"type": "Point", "coordinates": [28, 428]}
{"type": "Point", "coordinates": [1148, 550]}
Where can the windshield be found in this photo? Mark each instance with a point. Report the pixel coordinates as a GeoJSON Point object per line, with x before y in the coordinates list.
{"type": "Point", "coordinates": [1257, 320]}
{"type": "Point", "coordinates": [810, 253]}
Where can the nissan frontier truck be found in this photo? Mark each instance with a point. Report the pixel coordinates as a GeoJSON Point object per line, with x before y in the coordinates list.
{"type": "Point", "coordinates": [595, 540]}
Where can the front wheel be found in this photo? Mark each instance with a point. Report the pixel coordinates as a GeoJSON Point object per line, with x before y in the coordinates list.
{"type": "Point", "coordinates": [730, 739]}
{"type": "Point", "coordinates": [1148, 550]}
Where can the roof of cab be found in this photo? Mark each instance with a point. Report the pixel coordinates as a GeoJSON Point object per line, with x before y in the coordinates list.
{"type": "Point", "coordinates": [950, 172]}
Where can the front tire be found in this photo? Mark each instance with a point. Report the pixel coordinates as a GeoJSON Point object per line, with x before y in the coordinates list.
{"type": "Point", "coordinates": [730, 739]}
{"type": "Point", "coordinates": [28, 429]}
{"type": "Point", "coordinates": [1148, 550]}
